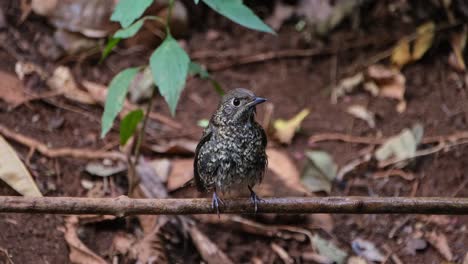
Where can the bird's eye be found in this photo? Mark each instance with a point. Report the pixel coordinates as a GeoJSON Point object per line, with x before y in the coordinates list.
{"type": "Point", "coordinates": [236, 102]}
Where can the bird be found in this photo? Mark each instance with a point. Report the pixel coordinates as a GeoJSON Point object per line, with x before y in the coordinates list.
{"type": "Point", "coordinates": [231, 152]}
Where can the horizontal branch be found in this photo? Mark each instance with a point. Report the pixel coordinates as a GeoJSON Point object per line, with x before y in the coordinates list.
{"type": "Point", "coordinates": [123, 205]}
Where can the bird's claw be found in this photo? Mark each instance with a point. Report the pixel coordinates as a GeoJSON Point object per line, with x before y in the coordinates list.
{"type": "Point", "coordinates": [255, 199]}
{"type": "Point", "coordinates": [215, 202]}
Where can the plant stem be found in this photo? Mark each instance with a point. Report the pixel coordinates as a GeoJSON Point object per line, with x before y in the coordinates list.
{"type": "Point", "coordinates": [169, 16]}
{"type": "Point", "coordinates": [132, 175]}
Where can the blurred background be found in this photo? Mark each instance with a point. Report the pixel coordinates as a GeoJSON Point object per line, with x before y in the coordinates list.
{"type": "Point", "coordinates": [364, 97]}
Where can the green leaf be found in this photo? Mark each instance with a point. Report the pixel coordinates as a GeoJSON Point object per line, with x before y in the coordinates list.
{"type": "Point", "coordinates": [217, 87]}
{"type": "Point", "coordinates": [128, 11]}
{"type": "Point", "coordinates": [129, 31]}
{"type": "Point", "coordinates": [129, 125]}
{"type": "Point", "coordinates": [115, 98]}
{"type": "Point", "coordinates": [239, 13]}
{"type": "Point", "coordinates": [197, 69]}
{"type": "Point", "coordinates": [169, 64]}
{"type": "Point", "coordinates": [109, 47]}
{"type": "Point", "coordinates": [196, 1]}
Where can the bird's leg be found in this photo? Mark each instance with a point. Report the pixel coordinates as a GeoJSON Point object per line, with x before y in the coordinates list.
{"type": "Point", "coordinates": [254, 198]}
{"type": "Point", "coordinates": [215, 202]}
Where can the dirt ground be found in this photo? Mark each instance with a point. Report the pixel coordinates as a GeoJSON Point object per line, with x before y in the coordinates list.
{"type": "Point", "coordinates": [436, 97]}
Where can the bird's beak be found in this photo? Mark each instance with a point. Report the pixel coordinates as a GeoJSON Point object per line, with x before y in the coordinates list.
{"type": "Point", "coordinates": [256, 101]}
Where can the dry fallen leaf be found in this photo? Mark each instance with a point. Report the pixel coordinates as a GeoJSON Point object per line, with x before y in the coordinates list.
{"type": "Point", "coordinates": [141, 87]}
{"type": "Point", "coordinates": [208, 250]}
{"type": "Point", "coordinates": [14, 173]}
{"type": "Point", "coordinates": [329, 250]}
{"type": "Point", "coordinates": [367, 250]}
{"type": "Point", "coordinates": [180, 147]}
{"type": "Point", "coordinates": [402, 146]}
{"type": "Point", "coordinates": [346, 85]}
{"type": "Point", "coordinates": [281, 164]}
{"type": "Point", "coordinates": [415, 244]}
{"type": "Point", "coordinates": [285, 129]}
{"type": "Point", "coordinates": [319, 172]}
{"type": "Point", "coordinates": [79, 252]}
{"type": "Point", "coordinates": [356, 260]}
{"type": "Point", "coordinates": [181, 172]}
{"type": "Point", "coordinates": [363, 113]}
{"type": "Point", "coordinates": [439, 242]}
{"type": "Point", "coordinates": [12, 90]}
{"type": "Point", "coordinates": [391, 82]}
{"type": "Point", "coordinates": [89, 17]}
{"type": "Point", "coordinates": [424, 39]}
{"type": "Point", "coordinates": [401, 53]}
{"type": "Point", "coordinates": [282, 253]}
{"type": "Point", "coordinates": [62, 81]}
{"type": "Point", "coordinates": [281, 13]}
{"type": "Point", "coordinates": [458, 43]}
{"type": "Point", "coordinates": [150, 249]}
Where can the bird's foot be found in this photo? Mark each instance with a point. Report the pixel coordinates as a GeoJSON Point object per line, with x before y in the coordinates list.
{"type": "Point", "coordinates": [255, 199]}
{"type": "Point", "coordinates": [215, 202]}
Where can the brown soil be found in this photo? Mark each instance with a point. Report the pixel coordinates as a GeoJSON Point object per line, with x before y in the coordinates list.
{"type": "Point", "coordinates": [435, 98]}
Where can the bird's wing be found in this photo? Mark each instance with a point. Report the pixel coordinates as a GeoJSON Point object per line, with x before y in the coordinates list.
{"type": "Point", "coordinates": [206, 137]}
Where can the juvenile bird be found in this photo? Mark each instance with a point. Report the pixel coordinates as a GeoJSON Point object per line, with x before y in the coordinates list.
{"type": "Point", "coordinates": [231, 153]}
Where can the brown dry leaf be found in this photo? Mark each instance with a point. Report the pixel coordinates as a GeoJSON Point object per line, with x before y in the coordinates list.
{"type": "Point", "coordinates": [162, 167]}
{"type": "Point", "coordinates": [180, 147]}
{"type": "Point", "coordinates": [122, 242]}
{"type": "Point", "coordinates": [282, 253]}
{"type": "Point", "coordinates": [391, 82]}
{"type": "Point", "coordinates": [89, 17]}
{"type": "Point", "coordinates": [401, 54]}
{"type": "Point", "coordinates": [150, 248]}
{"type": "Point", "coordinates": [362, 113]}
{"type": "Point", "coordinates": [285, 129]}
{"type": "Point", "coordinates": [97, 91]}
{"type": "Point", "coordinates": [423, 40]}
{"type": "Point", "coordinates": [182, 172]}
{"type": "Point", "coordinates": [439, 242]}
{"type": "Point", "coordinates": [458, 43]}
{"type": "Point", "coordinates": [12, 90]}
{"type": "Point", "coordinates": [242, 224]}
{"type": "Point", "coordinates": [281, 164]}
{"type": "Point", "coordinates": [62, 81]}
{"type": "Point", "coordinates": [14, 173]}
{"type": "Point", "coordinates": [281, 13]}
{"type": "Point", "coordinates": [346, 85]}
{"type": "Point", "coordinates": [79, 252]}
{"type": "Point", "coordinates": [356, 260]}
{"type": "Point", "coordinates": [23, 68]}
{"type": "Point", "coordinates": [208, 250]}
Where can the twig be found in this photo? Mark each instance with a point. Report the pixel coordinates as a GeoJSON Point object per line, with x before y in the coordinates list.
{"type": "Point", "coordinates": [378, 141]}
{"type": "Point", "coordinates": [287, 54]}
{"type": "Point", "coordinates": [34, 145]}
{"type": "Point", "coordinates": [7, 256]}
{"type": "Point", "coordinates": [122, 205]}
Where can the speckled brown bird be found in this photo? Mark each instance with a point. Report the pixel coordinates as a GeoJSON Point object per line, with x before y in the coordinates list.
{"type": "Point", "coordinates": [231, 153]}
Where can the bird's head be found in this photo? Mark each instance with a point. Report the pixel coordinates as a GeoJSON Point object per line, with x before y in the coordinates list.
{"type": "Point", "coordinates": [237, 106]}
